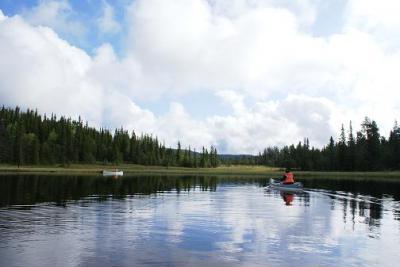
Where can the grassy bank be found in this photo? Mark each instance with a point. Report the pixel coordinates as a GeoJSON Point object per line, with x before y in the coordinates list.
{"type": "Point", "coordinates": [131, 169]}
{"type": "Point", "coordinates": [93, 169]}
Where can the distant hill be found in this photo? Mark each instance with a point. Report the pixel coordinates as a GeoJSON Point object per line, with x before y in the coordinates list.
{"type": "Point", "coordinates": [237, 159]}
{"type": "Point", "coordinates": [234, 156]}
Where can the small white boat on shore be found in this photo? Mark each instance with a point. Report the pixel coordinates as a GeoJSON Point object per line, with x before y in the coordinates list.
{"type": "Point", "coordinates": [113, 173]}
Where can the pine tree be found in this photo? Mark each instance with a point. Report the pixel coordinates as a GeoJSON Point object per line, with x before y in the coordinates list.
{"type": "Point", "coordinates": [331, 155]}
{"type": "Point", "coordinates": [351, 153]}
{"type": "Point", "coordinates": [35, 151]}
{"type": "Point", "coordinates": [342, 149]}
{"type": "Point", "coordinates": [372, 136]}
{"type": "Point", "coordinates": [203, 158]}
{"type": "Point", "coordinates": [195, 163]}
{"type": "Point", "coordinates": [178, 154]}
{"type": "Point", "coordinates": [394, 148]}
{"type": "Point", "coordinates": [4, 141]}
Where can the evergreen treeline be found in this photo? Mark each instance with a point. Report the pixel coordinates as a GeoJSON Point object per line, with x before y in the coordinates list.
{"type": "Point", "coordinates": [366, 151]}
{"type": "Point", "coordinates": [29, 138]}
{"type": "Point", "coordinates": [238, 159]}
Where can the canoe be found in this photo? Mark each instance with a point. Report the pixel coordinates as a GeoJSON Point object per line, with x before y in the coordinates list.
{"type": "Point", "coordinates": [113, 173]}
{"type": "Point", "coordinates": [286, 187]}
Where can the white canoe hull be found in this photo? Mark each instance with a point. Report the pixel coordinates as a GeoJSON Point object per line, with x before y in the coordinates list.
{"type": "Point", "coordinates": [285, 187]}
{"type": "Point", "coordinates": [113, 173]}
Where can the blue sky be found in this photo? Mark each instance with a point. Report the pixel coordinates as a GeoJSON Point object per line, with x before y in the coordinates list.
{"type": "Point", "coordinates": [237, 74]}
{"type": "Point", "coordinates": [85, 12]}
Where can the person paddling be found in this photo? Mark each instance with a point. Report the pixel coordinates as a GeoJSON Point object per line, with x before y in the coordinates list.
{"type": "Point", "coordinates": [288, 177]}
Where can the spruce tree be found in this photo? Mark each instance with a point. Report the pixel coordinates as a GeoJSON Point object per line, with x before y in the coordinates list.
{"type": "Point", "coordinates": [342, 149]}
{"type": "Point", "coordinates": [394, 148]}
{"type": "Point", "coordinates": [331, 155]}
{"type": "Point", "coordinates": [351, 151]}
{"type": "Point", "coordinates": [4, 142]}
{"type": "Point", "coordinates": [178, 154]}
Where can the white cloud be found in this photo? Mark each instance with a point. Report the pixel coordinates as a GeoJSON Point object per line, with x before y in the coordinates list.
{"type": "Point", "coordinates": [63, 79]}
{"type": "Point", "coordinates": [304, 10]}
{"type": "Point", "coordinates": [55, 14]}
{"type": "Point", "coordinates": [281, 82]}
{"type": "Point", "coordinates": [233, 99]}
{"type": "Point", "coordinates": [107, 23]}
{"type": "Point", "coordinates": [270, 123]}
{"type": "Point", "coordinates": [56, 76]}
{"type": "Point", "coordinates": [177, 125]}
{"type": "Point", "coordinates": [260, 51]}
{"type": "Point", "coordinates": [379, 18]}
{"type": "Point", "coordinates": [2, 17]}
{"type": "Point", "coordinates": [50, 68]}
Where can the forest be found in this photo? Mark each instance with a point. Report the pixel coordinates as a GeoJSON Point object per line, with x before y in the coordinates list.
{"type": "Point", "coordinates": [367, 150]}
{"type": "Point", "coordinates": [29, 138]}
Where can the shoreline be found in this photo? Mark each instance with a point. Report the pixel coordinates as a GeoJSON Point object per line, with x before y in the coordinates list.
{"type": "Point", "coordinates": [234, 170]}
{"type": "Point", "coordinates": [96, 169]}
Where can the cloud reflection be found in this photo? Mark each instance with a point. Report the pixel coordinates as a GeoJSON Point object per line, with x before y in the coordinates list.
{"type": "Point", "coordinates": [173, 221]}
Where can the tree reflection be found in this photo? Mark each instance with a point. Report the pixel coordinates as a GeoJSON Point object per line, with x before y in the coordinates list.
{"type": "Point", "coordinates": [355, 199]}
{"type": "Point", "coordinates": [28, 190]}
{"type": "Point", "coordinates": [31, 189]}
{"type": "Point", "coordinates": [375, 213]}
{"type": "Point", "coordinates": [375, 188]}
{"type": "Point", "coordinates": [362, 198]}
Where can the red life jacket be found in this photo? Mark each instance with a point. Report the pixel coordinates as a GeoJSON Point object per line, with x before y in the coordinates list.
{"type": "Point", "coordinates": [289, 178]}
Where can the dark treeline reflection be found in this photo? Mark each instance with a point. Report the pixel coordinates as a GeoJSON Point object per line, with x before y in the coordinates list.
{"type": "Point", "coordinates": [363, 198]}
{"type": "Point", "coordinates": [31, 189]}
{"type": "Point", "coordinates": [365, 187]}
{"type": "Point", "coordinates": [27, 190]}
{"type": "Point", "coordinates": [371, 211]}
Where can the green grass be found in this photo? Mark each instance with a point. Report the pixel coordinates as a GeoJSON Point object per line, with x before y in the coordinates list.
{"type": "Point", "coordinates": [236, 170]}
{"type": "Point", "coordinates": [350, 175]}
{"type": "Point", "coordinates": [136, 169]}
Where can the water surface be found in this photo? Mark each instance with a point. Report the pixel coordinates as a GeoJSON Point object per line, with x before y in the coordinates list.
{"type": "Point", "coordinates": [196, 221]}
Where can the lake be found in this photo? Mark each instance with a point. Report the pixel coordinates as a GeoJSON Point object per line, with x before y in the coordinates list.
{"type": "Point", "coordinates": [196, 221]}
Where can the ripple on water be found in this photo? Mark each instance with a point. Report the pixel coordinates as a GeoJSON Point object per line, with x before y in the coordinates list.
{"type": "Point", "coordinates": [231, 223]}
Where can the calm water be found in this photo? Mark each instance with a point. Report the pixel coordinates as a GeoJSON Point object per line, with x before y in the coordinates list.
{"type": "Point", "coordinates": [196, 221]}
